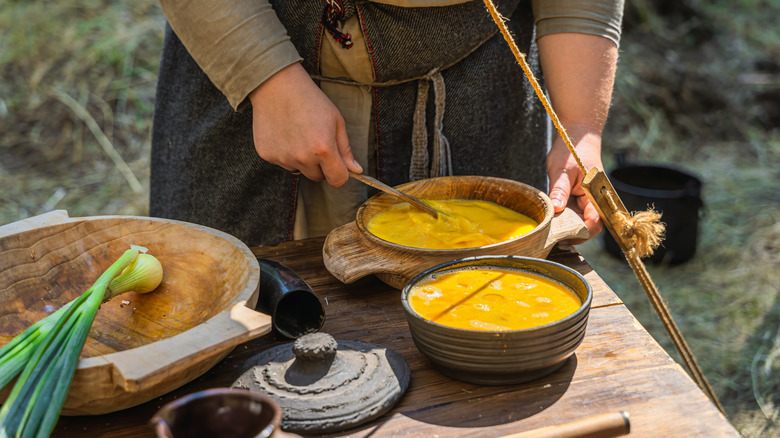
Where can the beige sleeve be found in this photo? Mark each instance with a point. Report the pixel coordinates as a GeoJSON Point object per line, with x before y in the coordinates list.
{"type": "Point", "coordinates": [237, 43]}
{"type": "Point", "coordinates": [595, 17]}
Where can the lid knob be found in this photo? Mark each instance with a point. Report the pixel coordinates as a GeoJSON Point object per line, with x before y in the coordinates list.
{"type": "Point", "coordinates": [315, 346]}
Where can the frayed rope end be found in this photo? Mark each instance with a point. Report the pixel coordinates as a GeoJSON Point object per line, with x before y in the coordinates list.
{"type": "Point", "coordinates": [642, 230]}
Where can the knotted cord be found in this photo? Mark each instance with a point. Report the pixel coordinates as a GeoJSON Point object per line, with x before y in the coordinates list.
{"type": "Point", "coordinates": [643, 230]}
{"type": "Point", "coordinates": [331, 14]}
{"type": "Point", "coordinates": [638, 235]}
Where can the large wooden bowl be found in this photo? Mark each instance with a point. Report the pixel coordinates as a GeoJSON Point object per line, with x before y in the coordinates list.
{"type": "Point", "coordinates": [140, 346]}
{"type": "Point", "coordinates": [351, 252]}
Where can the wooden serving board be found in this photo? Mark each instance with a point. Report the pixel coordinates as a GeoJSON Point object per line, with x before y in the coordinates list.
{"type": "Point", "coordinates": [140, 346]}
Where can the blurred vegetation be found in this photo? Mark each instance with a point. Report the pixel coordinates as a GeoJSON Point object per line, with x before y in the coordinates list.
{"type": "Point", "coordinates": [77, 87]}
{"type": "Point", "coordinates": [698, 86]}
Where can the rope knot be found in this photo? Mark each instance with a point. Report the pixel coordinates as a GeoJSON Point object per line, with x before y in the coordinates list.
{"type": "Point", "coordinates": [333, 12]}
{"type": "Point", "coordinates": [643, 230]}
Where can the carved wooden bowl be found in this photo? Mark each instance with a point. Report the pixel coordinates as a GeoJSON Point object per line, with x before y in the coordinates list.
{"type": "Point", "coordinates": [487, 357]}
{"type": "Point", "coordinates": [140, 346]}
{"type": "Point", "coordinates": [351, 252]}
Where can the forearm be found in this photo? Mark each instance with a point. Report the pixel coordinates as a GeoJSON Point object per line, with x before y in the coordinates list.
{"type": "Point", "coordinates": [238, 43]}
{"type": "Point", "coordinates": [579, 73]}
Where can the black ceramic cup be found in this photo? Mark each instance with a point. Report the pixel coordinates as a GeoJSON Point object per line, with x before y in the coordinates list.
{"type": "Point", "coordinates": [218, 413]}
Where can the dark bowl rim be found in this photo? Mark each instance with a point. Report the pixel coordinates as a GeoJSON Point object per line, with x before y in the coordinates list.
{"type": "Point", "coordinates": [584, 307]}
{"type": "Point", "coordinates": [222, 392]}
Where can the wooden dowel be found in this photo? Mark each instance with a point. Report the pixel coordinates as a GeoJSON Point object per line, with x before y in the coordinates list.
{"type": "Point", "coordinates": [606, 212]}
{"type": "Point", "coordinates": [596, 186]}
{"type": "Point", "coordinates": [598, 426]}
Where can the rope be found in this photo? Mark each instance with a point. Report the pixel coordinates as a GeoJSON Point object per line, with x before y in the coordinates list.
{"type": "Point", "coordinates": [333, 12]}
{"type": "Point", "coordinates": [442, 156]}
{"type": "Point", "coordinates": [641, 233]}
{"type": "Point", "coordinates": [641, 229]}
{"type": "Point", "coordinates": [442, 160]}
{"type": "Point", "coordinates": [418, 169]}
{"type": "Point", "coordinates": [520, 56]}
{"type": "Point", "coordinates": [662, 310]}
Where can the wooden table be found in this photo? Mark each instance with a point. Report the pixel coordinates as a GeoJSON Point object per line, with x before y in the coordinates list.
{"type": "Point", "coordinates": [618, 367]}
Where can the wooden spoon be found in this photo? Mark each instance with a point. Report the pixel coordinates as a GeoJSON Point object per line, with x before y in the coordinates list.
{"type": "Point", "coordinates": [375, 183]}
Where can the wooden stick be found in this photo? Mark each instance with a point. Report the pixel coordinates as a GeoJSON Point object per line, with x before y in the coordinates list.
{"type": "Point", "coordinates": [599, 189]}
{"type": "Point", "coordinates": [597, 186]}
{"type": "Point", "coordinates": [598, 426]}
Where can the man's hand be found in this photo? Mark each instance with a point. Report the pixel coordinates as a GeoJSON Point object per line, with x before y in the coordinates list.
{"type": "Point", "coordinates": [297, 127]}
{"type": "Point", "coordinates": [566, 177]}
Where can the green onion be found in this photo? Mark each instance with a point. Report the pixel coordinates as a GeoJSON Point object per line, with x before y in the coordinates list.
{"type": "Point", "coordinates": [45, 356]}
{"type": "Point", "coordinates": [143, 275]}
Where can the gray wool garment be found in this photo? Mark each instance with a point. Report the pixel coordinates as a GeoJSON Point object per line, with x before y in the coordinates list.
{"type": "Point", "coordinates": [204, 166]}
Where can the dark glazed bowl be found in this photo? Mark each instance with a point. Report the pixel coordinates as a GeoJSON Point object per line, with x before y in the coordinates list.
{"type": "Point", "coordinates": [217, 413]}
{"type": "Point", "coordinates": [508, 357]}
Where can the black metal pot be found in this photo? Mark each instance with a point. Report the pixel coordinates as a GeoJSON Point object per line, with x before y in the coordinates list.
{"type": "Point", "coordinates": [673, 192]}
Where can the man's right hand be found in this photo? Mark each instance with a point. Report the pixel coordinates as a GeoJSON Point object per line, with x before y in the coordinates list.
{"type": "Point", "coordinates": [297, 127]}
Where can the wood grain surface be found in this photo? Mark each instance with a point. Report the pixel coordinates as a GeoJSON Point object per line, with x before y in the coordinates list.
{"type": "Point", "coordinates": [618, 367]}
{"type": "Point", "coordinates": [140, 345]}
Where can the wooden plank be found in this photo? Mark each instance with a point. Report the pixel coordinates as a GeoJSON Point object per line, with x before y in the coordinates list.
{"type": "Point", "coordinates": [618, 367]}
{"type": "Point", "coordinates": [652, 411]}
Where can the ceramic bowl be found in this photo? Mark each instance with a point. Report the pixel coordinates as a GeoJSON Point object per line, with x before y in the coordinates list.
{"type": "Point", "coordinates": [351, 252]}
{"type": "Point", "coordinates": [501, 357]}
{"type": "Point", "coordinates": [218, 413]}
{"type": "Point", "coordinates": [140, 346]}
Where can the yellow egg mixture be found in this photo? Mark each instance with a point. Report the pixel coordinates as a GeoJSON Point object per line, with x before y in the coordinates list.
{"type": "Point", "coordinates": [492, 299]}
{"type": "Point", "coordinates": [464, 224]}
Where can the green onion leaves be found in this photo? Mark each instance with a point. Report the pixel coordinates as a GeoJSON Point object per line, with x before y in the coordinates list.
{"type": "Point", "coordinates": [45, 356]}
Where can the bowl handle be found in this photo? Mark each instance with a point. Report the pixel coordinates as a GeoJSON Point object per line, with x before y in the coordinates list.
{"type": "Point", "coordinates": [43, 220]}
{"type": "Point", "coordinates": [348, 258]}
{"type": "Point", "coordinates": [564, 226]}
{"type": "Point", "coordinates": [227, 329]}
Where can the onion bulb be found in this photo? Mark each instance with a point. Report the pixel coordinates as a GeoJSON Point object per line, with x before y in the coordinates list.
{"type": "Point", "coordinates": [143, 275]}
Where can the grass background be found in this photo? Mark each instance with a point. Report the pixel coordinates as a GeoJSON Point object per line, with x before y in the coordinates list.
{"type": "Point", "coordinates": [698, 86]}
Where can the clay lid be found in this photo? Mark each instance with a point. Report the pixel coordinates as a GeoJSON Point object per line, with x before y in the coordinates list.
{"type": "Point", "coordinates": [324, 385]}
